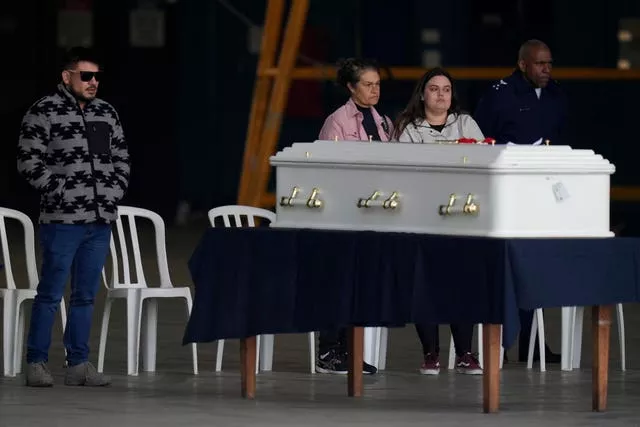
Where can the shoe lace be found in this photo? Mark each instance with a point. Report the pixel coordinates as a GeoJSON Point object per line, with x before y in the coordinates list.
{"type": "Point", "coordinates": [340, 354]}
{"type": "Point", "coordinates": [337, 358]}
{"type": "Point", "coordinates": [42, 367]}
{"type": "Point", "coordinates": [91, 370]}
{"type": "Point", "coordinates": [470, 357]}
{"type": "Point", "coordinates": [431, 357]}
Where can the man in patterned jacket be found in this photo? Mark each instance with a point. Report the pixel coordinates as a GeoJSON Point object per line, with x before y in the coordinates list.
{"type": "Point", "coordinates": [72, 150]}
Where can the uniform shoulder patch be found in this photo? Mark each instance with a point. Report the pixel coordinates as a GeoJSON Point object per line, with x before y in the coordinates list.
{"type": "Point", "coordinates": [499, 84]}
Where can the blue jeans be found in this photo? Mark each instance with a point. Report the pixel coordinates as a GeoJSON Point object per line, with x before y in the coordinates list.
{"type": "Point", "coordinates": [82, 251]}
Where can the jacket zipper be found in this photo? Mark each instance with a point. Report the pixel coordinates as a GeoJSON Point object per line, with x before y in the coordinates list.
{"type": "Point", "coordinates": [93, 170]}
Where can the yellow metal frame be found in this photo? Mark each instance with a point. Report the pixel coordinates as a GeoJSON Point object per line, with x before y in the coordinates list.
{"type": "Point", "coordinates": [261, 91]}
{"type": "Point", "coordinates": [471, 73]}
{"type": "Point", "coordinates": [264, 123]}
{"type": "Point", "coordinates": [272, 88]}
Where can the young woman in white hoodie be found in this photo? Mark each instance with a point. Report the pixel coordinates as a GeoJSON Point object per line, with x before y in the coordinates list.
{"type": "Point", "coordinates": [433, 113]}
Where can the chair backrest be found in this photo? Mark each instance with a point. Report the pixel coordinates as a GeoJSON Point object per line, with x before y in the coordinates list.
{"type": "Point", "coordinates": [237, 212]}
{"type": "Point", "coordinates": [120, 253]}
{"type": "Point", "coordinates": [29, 247]}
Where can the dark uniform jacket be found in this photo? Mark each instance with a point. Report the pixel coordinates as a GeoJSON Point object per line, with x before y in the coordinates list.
{"type": "Point", "coordinates": [510, 111]}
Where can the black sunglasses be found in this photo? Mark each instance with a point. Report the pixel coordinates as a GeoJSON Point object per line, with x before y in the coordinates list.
{"type": "Point", "coordinates": [86, 76]}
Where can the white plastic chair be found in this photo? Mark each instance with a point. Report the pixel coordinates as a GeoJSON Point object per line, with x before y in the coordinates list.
{"type": "Point", "coordinates": [142, 307]}
{"type": "Point", "coordinates": [12, 297]}
{"type": "Point", "coordinates": [571, 338]}
{"type": "Point", "coordinates": [575, 344]}
{"type": "Point", "coordinates": [537, 328]}
{"type": "Point", "coordinates": [375, 346]}
{"type": "Point", "coordinates": [248, 214]}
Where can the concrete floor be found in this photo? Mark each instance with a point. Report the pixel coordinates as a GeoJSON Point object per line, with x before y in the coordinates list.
{"type": "Point", "coordinates": [291, 396]}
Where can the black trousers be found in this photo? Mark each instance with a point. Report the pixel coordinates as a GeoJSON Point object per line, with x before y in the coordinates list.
{"type": "Point", "coordinates": [429, 338]}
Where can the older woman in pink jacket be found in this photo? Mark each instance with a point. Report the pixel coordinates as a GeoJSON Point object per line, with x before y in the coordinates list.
{"type": "Point", "coordinates": [358, 120]}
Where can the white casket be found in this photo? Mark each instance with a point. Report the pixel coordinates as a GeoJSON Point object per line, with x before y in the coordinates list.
{"type": "Point", "coordinates": [453, 189]}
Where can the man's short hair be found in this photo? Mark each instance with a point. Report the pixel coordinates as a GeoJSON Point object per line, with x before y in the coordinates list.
{"type": "Point", "coordinates": [527, 46]}
{"type": "Point", "coordinates": [79, 54]}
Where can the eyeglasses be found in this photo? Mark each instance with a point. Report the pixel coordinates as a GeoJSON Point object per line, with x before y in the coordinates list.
{"type": "Point", "coordinates": [86, 76]}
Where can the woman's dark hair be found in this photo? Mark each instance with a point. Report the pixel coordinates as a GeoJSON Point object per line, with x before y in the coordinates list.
{"type": "Point", "coordinates": [350, 70]}
{"type": "Point", "coordinates": [414, 111]}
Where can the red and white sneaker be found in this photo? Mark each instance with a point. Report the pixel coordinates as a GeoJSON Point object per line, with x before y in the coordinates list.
{"type": "Point", "coordinates": [430, 365]}
{"type": "Point", "coordinates": [468, 364]}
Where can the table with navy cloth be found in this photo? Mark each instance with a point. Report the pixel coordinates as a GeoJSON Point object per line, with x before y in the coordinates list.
{"type": "Point", "coordinates": [253, 281]}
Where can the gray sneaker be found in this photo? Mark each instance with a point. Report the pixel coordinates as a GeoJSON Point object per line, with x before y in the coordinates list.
{"type": "Point", "coordinates": [85, 374]}
{"type": "Point", "coordinates": [38, 375]}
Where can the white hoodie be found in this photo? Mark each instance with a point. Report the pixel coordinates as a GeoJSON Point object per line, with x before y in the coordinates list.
{"type": "Point", "coordinates": [457, 126]}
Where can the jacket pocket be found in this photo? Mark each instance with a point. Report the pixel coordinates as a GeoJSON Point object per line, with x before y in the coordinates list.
{"type": "Point", "coordinates": [99, 137]}
{"type": "Point", "coordinates": [114, 192]}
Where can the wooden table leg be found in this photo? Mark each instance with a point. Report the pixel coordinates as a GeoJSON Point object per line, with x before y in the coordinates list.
{"type": "Point", "coordinates": [491, 368]}
{"type": "Point", "coordinates": [601, 329]}
{"type": "Point", "coordinates": [356, 350]}
{"type": "Point", "coordinates": [248, 367]}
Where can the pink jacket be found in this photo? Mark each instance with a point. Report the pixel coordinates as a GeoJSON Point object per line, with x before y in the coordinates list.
{"type": "Point", "coordinates": [346, 124]}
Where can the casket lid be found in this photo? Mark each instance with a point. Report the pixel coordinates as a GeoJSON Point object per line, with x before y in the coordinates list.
{"type": "Point", "coordinates": [495, 158]}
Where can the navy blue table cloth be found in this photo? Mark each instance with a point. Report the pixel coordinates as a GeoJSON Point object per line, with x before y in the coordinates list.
{"type": "Point", "coordinates": [251, 281]}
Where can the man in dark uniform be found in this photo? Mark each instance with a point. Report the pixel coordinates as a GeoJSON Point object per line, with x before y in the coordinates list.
{"type": "Point", "coordinates": [528, 107]}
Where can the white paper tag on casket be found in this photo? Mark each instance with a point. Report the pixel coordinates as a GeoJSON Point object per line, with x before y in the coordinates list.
{"type": "Point", "coordinates": [560, 191]}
